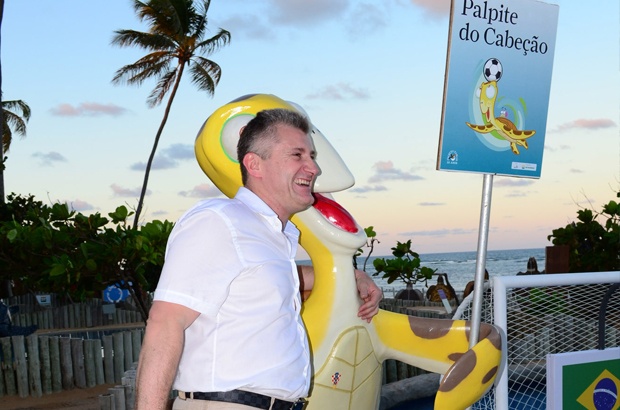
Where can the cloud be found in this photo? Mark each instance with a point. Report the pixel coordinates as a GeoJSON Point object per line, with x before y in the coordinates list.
{"type": "Point", "coordinates": [119, 191]}
{"type": "Point", "coordinates": [438, 8]}
{"type": "Point", "coordinates": [517, 194]}
{"type": "Point", "coordinates": [440, 232]}
{"type": "Point", "coordinates": [513, 182]}
{"type": "Point", "coordinates": [586, 124]}
{"type": "Point", "coordinates": [295, 12]}
{"type": "Point", "coordinates": [264, 21]}
{"type": "Point", "coordinates": [385, 171]}
{"type": "Point", "coordinates": [367, 188]}
{"type": "Point", "coordinates": [562, 147]}
{"type": "Point", "coordinates": [48, 159]}
{"type": "Point", "coordinates": [248, 26]}
{"type": "Point", "coordinates": [340, 91]}
{"type": "Point", "coordinates": [87, 109]}
{"type": "Point", "coordinates": [79, 205]}
{"type": "Point", "coordinates": [366, 19]}
{"type": "Point", "coordinates": [179, 151]}
{"type": "Point", "coordinates": [201, 191]}
{"type": "Point", "coordinates": [167, 158]}
{"type": "Point", "coordinates": [431, 204]}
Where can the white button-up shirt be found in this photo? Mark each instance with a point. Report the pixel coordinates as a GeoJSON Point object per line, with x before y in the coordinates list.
{"type": "Point", "coordinates": [231, 261]}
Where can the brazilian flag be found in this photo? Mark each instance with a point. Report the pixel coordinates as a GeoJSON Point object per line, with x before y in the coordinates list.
{"type": "Point", "coordinates": [591, 386]}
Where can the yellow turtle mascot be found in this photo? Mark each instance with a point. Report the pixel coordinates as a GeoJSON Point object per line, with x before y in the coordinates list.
{"type": "Point", "coordinates": [347, 352]}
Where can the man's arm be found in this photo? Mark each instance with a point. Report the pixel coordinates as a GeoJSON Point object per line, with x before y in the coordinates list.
{"type": "Point", "coordinates": [370, 294]}
{"type": "Point", "coordinates": [306, 280]}
{"type": "Point", "coordinates": [368, 290]}
{"type": "Point", "coordinates": [160, 353]}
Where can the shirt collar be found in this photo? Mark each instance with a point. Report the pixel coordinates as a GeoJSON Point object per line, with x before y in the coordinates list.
{"type": "Point", "coordinates": [256, 204]}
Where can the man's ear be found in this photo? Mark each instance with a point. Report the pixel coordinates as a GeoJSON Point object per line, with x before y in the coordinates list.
{"type": "Point", "coordinates": [252, 163]}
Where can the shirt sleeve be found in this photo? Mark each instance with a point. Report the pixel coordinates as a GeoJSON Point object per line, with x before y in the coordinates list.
{"type": "Point", "coordinates": [201, 262]}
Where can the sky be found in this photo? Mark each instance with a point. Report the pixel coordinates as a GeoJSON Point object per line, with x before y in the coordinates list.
{"type": "Point", "coordinates": [370, 74]}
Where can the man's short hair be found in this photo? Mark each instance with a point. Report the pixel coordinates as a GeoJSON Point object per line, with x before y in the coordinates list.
{"type": "Point", "coordinates": [260, 133]}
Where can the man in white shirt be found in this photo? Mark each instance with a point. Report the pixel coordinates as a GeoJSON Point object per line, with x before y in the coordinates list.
{"type": "Point", "coordinates": [225, 328]}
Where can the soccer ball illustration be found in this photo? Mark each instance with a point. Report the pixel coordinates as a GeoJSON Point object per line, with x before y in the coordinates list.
{"type": "Point", "coordinates": [492, 69]}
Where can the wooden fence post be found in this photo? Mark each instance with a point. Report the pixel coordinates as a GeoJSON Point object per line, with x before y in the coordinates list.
{"type": "Point", "coordinates": [66, 365]}
{"type": "Point", "coordinates": [119, 397]}
{"type": "Point", "coordinates": [128, 350]}
{"type": "Point", "coordinates": [106, 402]}
{"type": "Point", "coordinates": [77, 356]}
{"type": "Point", "coordinates": [136, 342]}
{"type": "Point", "coordinates": [108, 359]}
{"type": "Point", "coordinates": [46, 364]}
{"type": "Point", "coordinates": [129, 382]}
{"type": "Point", "coordinates": [89, 315]}
{"type": "Point", "coordinates": [21, 367]}
{"type": "Point", "coordinates": [89, 363]}
{"type": "Point", "coordinates": [8, 365]}
{"type": "Point", "coordinates": [2, 390]}
{"type": "Point", "coordinates": [119, 357]}
{"type": "Point", "coordinates": [34, 366]}
{"type": "Point", "coordinates": [99, 372]}
{"type": "Point", "coordinates": [56, 364]}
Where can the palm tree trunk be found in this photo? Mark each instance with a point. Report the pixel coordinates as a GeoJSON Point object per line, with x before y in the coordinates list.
{"type": "Point", "coordinates": [5, 285]}
{"type": "Point", "coordinates": [1, 114]}
{"type": "Point", "coordinates": [152, 156]}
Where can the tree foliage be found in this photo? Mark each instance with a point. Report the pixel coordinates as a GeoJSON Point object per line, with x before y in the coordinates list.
{"type": "Point", "coordinates": [405, 265]}
{"type": "Point", "coordinates": [176, 39]}
{"type": "Point", "coordinates": [593, 239]}
{"type": "Point", "coordinates": [55, 249]}
{"type": "Point", "coordinates": [15, 115]}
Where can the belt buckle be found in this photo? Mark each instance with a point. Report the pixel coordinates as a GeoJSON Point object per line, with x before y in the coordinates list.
{"type": "Point", "coordinates": [299, 404]}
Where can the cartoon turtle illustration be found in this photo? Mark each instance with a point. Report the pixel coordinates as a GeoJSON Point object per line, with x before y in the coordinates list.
{"type": "Point", "coordinates": [487, 93]}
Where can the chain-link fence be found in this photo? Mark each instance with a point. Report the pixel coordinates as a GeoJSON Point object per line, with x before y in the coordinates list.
{"type": "Point", "coordinates": [543, 314]}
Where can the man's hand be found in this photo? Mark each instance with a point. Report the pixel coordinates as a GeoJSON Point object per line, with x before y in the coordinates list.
{"type": "Point", "coordinates": [370, 293]}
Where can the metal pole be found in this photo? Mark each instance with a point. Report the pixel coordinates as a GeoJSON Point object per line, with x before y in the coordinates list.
{"type": "Point", "coordinates": [481, 258]}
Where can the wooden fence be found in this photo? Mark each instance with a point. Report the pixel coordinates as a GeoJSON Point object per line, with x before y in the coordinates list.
{"type": "Point", "coordinates": [40, 364]}
{"type": "Point", "coordinates": [68, 359]}
{"type": "Point", "coordinates": [55, 314]}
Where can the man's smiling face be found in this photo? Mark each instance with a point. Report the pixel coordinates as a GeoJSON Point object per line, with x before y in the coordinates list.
{"type": "Point", "coordinates": [284, 178]}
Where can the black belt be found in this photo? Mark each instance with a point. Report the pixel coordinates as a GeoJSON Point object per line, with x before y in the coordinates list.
{"type": "Point", "coordinates": [246, 398]}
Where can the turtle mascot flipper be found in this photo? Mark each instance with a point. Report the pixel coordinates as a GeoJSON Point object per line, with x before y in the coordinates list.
{"type": "Point", "coordinates": [347, 352]}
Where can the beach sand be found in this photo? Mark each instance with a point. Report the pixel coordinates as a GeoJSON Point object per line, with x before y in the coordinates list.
{"type": "Point", "coordinates": [75, 399]}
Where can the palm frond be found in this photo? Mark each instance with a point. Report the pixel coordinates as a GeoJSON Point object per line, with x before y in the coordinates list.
{"type": "Point", "coordinates": [13, 105]}
{"type": "Point", "coordinates": [16, 113]}
{"type": "Point", "coordinates": [209, 46]}
{"type": "Point", "coordinates": [7, 137]}
{"type": "Point", "coordinates": [162, 87]}
{"type": "Point", "coordinates": [151, 65]}
{"type": "Point", "coordinates": [146, 41]}
{"type": "Point", "coordinates": [200, 22]}
{"type": "Point", "coordinates": [205, 74]}
{"type": "Point", "coordinates": [170, 17]}
{"type": "Point", "coordinates": [15, 122]}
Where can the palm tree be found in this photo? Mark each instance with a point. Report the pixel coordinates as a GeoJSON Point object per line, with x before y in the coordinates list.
{"type": "Point", "coordinates": [12, 121]}
{"type": "Point", "coordinates": [174, 40]}
{"type": "Point", "coordinates": [1, 116]}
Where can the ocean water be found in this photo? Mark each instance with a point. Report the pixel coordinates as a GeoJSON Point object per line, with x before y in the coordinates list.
{"type": "Point", "coordinates": [461, 266]}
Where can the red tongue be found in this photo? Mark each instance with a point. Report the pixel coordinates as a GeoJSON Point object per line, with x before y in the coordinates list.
{"type": "Point", "coordinates": [334, 213]}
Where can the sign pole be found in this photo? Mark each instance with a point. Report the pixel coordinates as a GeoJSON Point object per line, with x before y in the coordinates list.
{"type": "Point", "coordinates": [481, 258]}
